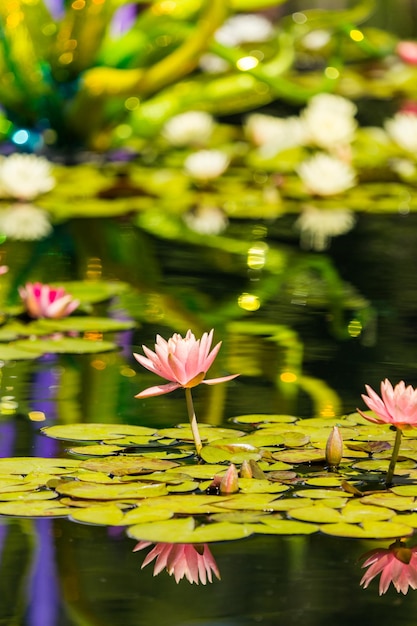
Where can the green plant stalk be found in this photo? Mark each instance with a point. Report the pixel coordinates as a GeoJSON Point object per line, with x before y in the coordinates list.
{"type": "Point", "coordinates": [193, 421]}
{"type": "Point", "coordinates": [397, 443]}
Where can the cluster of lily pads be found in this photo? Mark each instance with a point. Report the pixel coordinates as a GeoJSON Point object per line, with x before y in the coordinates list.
{"type": "Point", "coordinates": [147, 480]}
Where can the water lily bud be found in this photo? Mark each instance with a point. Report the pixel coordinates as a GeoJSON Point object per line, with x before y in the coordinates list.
{"type": "Point", "coordinates": [334, 447]}
{"type": "Point", "coordinates": [229, 483]}
{"type": "Point", "coordinates": [245, 470]}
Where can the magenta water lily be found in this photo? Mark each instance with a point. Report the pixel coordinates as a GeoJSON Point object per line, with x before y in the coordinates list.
{"type": "Point", "coordinates": [184, 361]}
{"type": "Point", "coordinates": [397, 406]}
{"type": "Point", "coordinates": [194, 562]}
{"type": "Point", "coordinates": [44, 301]}
{"type": "Point", "coordinates": [397, 564]}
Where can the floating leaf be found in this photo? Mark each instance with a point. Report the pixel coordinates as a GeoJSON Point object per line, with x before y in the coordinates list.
{"type": "Point", "coordinates": [324, 481]}
{"type": "Point", "coordinates": [101, 449]}
{"type": "Point", "coordinates": [28, 495]}
{"type": "Point", "coordinates": [319, 514]}
{"type": "Point", "coordinates": [144, 514]}
{"type": "Point", "coordinates": [122, 465]}
{"type": "Point", "coordinates": [106, 514]}
{"type": "Point", "coordinates": [18, 353]}
{"type": "Point", "coordinates": [185, 531]}
{"type": "Point", "coordinates": [300, 456]}
{"type": "Point", "coordinates": [201, 471]}
{"type": "Point", "coordinates": [357, 512]}
{"type": "Point", "coordinates": [208, 433]}
{"type": "Point", "coordinates": [64, 345]}
{"type": "Point", "coordinates": [263, 418]}
{"type": "Point", "coordinates": [322, 493]}
{"type": "Point", "coordinates": [34, 508]}
{"type": "Point", "coordinates": [214, 454]}
{"type": "Point", "coordinates": [94, 432]}
{"type": "Point", "coordinates": [369, 530]}
{"type": "Point", "coordinates": [405, 490]}
{"type": "Point", "coordinates": [26, 465]}
{"type": "Point", "coordinates": [94, 491]}
{"type": "Point", "coordinates": [391, 501]}
{"type": "Point", "coordinates": [274, 526]}
{"type": "Point", "coordinates": [252, 485]}
{"type": "Point", "coordinates": [78, 323]}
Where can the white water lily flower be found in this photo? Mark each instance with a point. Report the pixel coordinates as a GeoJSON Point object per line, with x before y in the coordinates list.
{"type": "Point", "coordinates": [213, 64]}
{"type": "Point", "coordinates": [329, 121]}
{"type": "Point", "coordinates": [24, 222]}
{"type": "Point", "coordinates": [244, 28]}
{"type": "Point", "coordinates": [206, 220]}
{"type": "Point", "coordinates": [402, 128]}
{"type": "Point", "coordinates": [25, 176]}
{"type": "Point", "coordinates": [206, 164]}
{"type": "Point", "coordinates": [318, 226]}
{"type": "Point", "coordinates": [275, 132]}
{"type": "Point", "coordinates": [316, 39]}
{"type": "Point", "coordinates": [192, 127]}
{"type": "Point", "coordinates": [325, 175]}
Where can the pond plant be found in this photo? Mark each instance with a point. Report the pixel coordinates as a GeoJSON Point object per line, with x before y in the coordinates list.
{"type": "Point", "coordinates": [396, 564]}
{"type": "Point", "coordinates": [184, 361]}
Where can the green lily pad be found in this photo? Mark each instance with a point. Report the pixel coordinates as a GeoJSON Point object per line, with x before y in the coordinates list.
{"type": "Point", "coordinates": [92, 291]}
{"type": "Point", "coordinates": [252, 485]}
{"type": "Point", "coordinates": [324, 481]}
{"type": "Point", "coordinates": [86, 323]}
{"type": "Point", "coordinates": [27, 495]}
{"type": "Point", "coordinates": [65, 345]}
{"type": "Point", "coordinates": [100, 449]}
{"type": "Point", "coordinates": [275, 526]}
{"type": "Point", "coordinates": [186, 504]}
{"type": "Point", "coordinates": [368, 530]}
{"type": "Point", "coordinates": [391, 501]}
{"type": "Point", "coordinates": [26, 465]}
{"type": "Point", "coordinates": [300, 456]}
{"type": "Point", "coordinates": [322, 493]}
{"type": "Point", "coordinates": [106, 514]}
{"type": "Point", "coordinates": [214, 454]}
{"type": "Point", "coordinates": [263, 418]}
{"type": "Point", "coordinates": [122, 465]}
{"type": "Point", "coordinates": [34, 508]}
{"type": "Point", "coordinates": [185, 531]}
{"type": "Point", "coordinates": [405, 490]}
{"type": "Point", "coordinates": [356, 512]}
{"type": "Point", "coordinates": [410, 519]}
{"type": "Point", "coordinates": [95, 432]}
{"type": "Point", "coordinates": [318, 514]}
{"type": "Point", "coordinates": [207, 433]}
{"type": "Point", "coordinates": [144, 514]}
{"type": "Point", "coordinates": [18, 353]}
{"type": "Point", "coordinates": [96, 491]}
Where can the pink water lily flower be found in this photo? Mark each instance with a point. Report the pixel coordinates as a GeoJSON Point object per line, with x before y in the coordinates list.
{"type": "Point", "coordinates": [194, 561]}
{"type": "Point", "coordinates": [396, 564]}
{"type": "Point", "coordinates": [45, 301]}
{"type": "Point", "coordinates": [184, 361]}
{"type": "Point", "coordinates": [396, 406]}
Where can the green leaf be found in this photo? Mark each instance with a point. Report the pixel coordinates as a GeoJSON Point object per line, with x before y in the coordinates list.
{"type": "Point", "coordinates": [66, 345]}
{"type": "Point", "coordinates": [107, 515]}
{"type": "Point", "coordinates": [215, 454]}
{"type": "Point", "coordinates": [122, 465]}
{"type": "Point", "coordinates": [34, 508]}
{"type": "Point", "coordinates": [78, 323]}
{"type": "Point", "coordinates": [95, 491]}
{"type": "Point", "coordinates": [369, 530]}
{"type": "Point", "coordinates": [274, 526]}
{"type": "Point", "coordinates": [185, 531]}
{"type": "Point", "coordinates": [26, 465]}
{"type": "Point", "coordinates": [94, 432]}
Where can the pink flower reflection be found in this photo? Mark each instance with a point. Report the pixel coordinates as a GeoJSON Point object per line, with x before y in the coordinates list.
{"type": "Point", "coordinates": [194, 561]}
{"type": "Point", "coordinates": [184, 361]}
{"type": "Point", "coordinates": [396, 406]}
{"type": "Point", "coordinates": [396, 564]}
{"type": "Point", "coordinates": [45, 301]}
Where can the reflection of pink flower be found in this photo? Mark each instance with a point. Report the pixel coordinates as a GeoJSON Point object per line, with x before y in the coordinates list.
{"type": "Point", "coordinates": [397, 406]}
{"type": "Point", "coordinates": [396, 564]}
{"type": "Point", "coordinates": [3, 269]}
{"type": "Point", "coordinates": [194, 561]}
{"type": "Point", "coordinates": [45, 301]}
{"type": "Point", "coordinates": [182, 360]}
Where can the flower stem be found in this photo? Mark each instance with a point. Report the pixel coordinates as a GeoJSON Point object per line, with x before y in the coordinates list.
{"type": "Point", "coordinates": [193, 420]}
{"type": "Point", "coordinates": [394, 457]}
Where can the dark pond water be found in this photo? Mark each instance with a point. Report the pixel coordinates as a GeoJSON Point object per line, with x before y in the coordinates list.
{"type": "Point", "coordinates": [58, 573]}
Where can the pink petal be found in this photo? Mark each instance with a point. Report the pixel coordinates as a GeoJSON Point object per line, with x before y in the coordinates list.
{"type": "Point", "coordinates": [158, 390]}
{"type": "Point", "coordinates": [222, 379]}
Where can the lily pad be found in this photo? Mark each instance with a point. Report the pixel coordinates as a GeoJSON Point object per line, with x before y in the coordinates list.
{"type": "Point", "coordinates": [122, 465]}
{"type": "Point", "coordinates": [86, 323]}
{"type": "Point", "coordinates": [275, 526]}
{"type": "Point", "coordinates": [15, 352]}
{"type": "Point", "coordinates": [215, 454]}
{"type": "Point", "coordinates": [64, 345]}
{"type": "Point", "coordinates": [95, 491]}
{"type": "Point", "coordinates": [106, 514]}
{"type": "Point", "coordinates": [26, 465]}
{"type": "Point", "coordinates": [94, 432]}
{"type": "Point", "coordinates": [185, 531]}
{"type": "Point", "coordinates": [368, 530]}
{"type": "Point", "coordinates": [34, 508]}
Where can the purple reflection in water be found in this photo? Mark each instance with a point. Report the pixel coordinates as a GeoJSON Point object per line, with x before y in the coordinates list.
{"type": "Point", "coordinates": [56, 8]}
{"type": "Point", "coordinates": [123, 19]}
{"type": "Point", "coordinates": [7, 438]}
{"type": "Point", "coordinates": [43, 394]}
{"type": "Point", "coordinates": [43, 592]}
